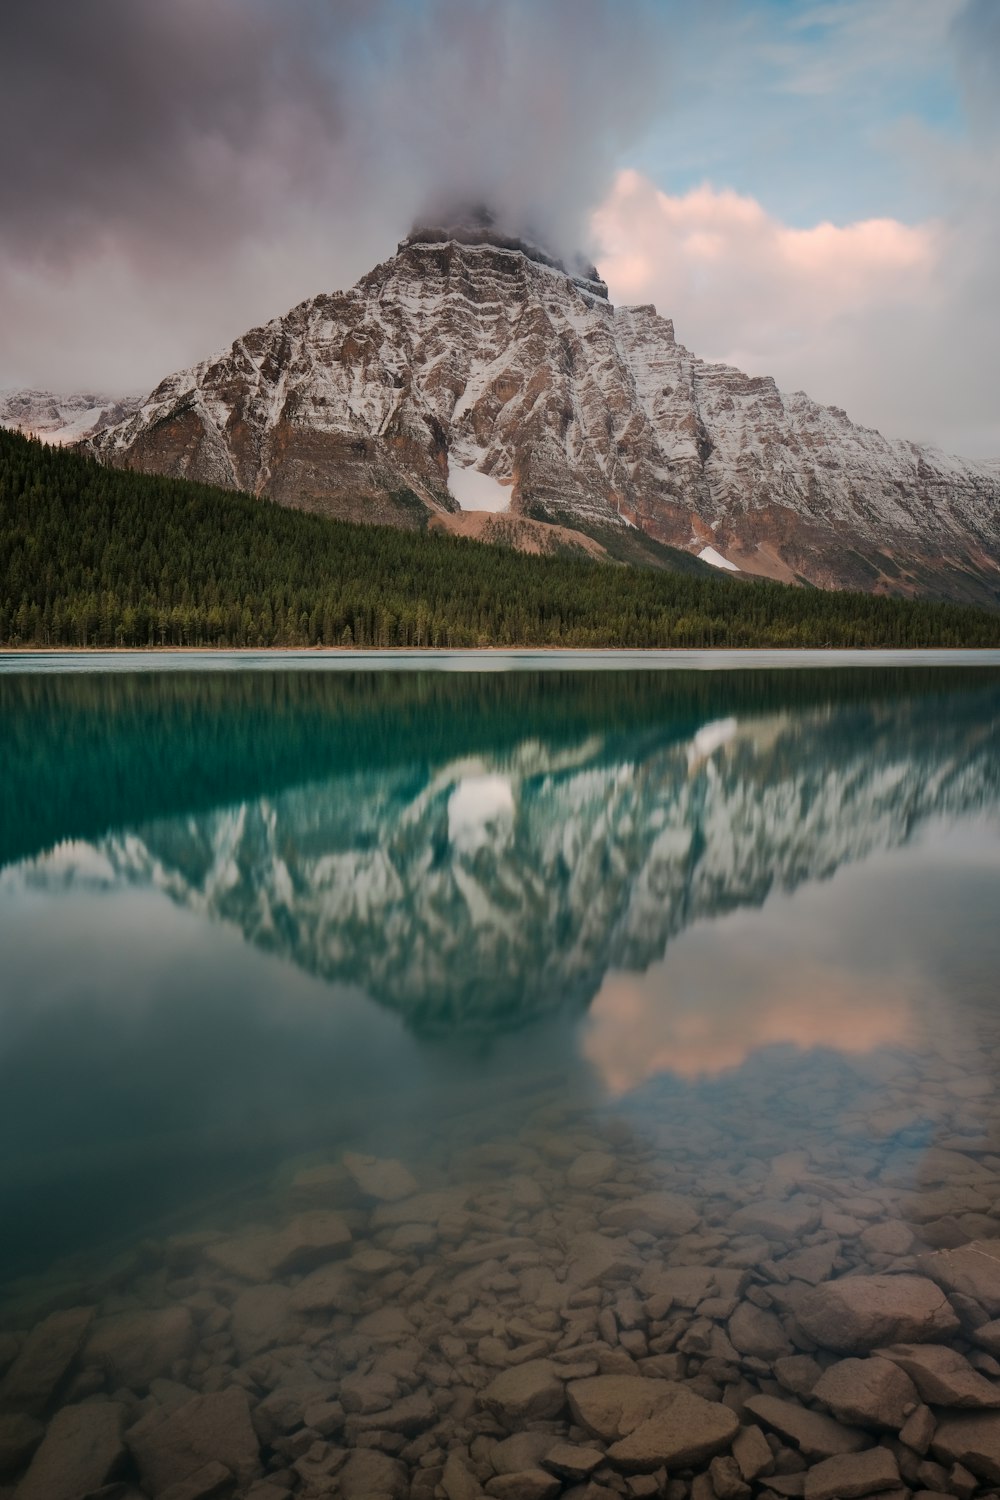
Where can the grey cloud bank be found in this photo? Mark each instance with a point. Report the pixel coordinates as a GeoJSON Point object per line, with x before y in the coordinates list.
{"type": "Point", "coordinates": [184, 170]}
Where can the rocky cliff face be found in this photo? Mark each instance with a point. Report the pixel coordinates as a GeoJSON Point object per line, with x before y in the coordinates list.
{"type": "Point", "coordinates": [471, 350]}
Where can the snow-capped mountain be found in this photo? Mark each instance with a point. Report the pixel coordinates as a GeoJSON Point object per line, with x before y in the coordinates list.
{"type": "Point", "coordinates": [482, 892]}
{"type": "Point", "coordinates": [63, 419]}
{"type": "Point", "coordinates": [469, 353]}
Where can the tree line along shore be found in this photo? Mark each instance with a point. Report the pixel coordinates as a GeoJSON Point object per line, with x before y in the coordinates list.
{"type": "Point", "coordinates": [95, 557]}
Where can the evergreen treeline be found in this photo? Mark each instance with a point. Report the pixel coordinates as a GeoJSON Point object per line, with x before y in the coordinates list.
{"type": "Point", "coordinates": [97, 557]}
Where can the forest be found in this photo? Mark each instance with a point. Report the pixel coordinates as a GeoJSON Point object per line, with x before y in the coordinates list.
{"type": "Point", "coordinates": [99, 557]}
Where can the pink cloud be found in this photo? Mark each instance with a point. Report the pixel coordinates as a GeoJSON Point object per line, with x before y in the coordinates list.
{"type": "Point", "coordinates": [738, 280]}
{"type": "Point", "coordinates": [874, 316]}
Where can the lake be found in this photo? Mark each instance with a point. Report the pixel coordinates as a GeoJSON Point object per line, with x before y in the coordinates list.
{"type": "Point", "coordinates": [413, 1081]}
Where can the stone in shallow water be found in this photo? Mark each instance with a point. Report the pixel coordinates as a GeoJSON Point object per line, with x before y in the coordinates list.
{"type": "Point", "coordinates": [383, 1178]}
{"type": "Point", "coordinates": [422, 1208]}
{"type": "Point", "coordinates": [263, 1255]}
{"type": "Point", "coordinates": [611, 1406]}
{"type": "Point", "coordinates": [368, 1474]}
{"type": "Point", "coordinates": [873, 1392]}
{"type": "Point", "coordinates": [779, 1221]}
{"type": "Point", "coordinates": [752, 1453]}
{"type": "Point", "coordinates": [856, 1314]}
{"type": "Point", "coordinates": [813, 1432]}
{"type": "Point", "coordinates": [755, 1330]}
{"type": "Point", "coordinates": [262, 1316]}
{"type": "Point", "coordinates": [684, 1285]}
{"type": "Point", "coordinates": [572, 1462]}
{"type": "Point", "coordinates": [171, 1446]}
{"type": "Point", "coordinates": [386, 1325]}
{"type": "Point", "coordinates": [814, 1264]}
{"type": "Point", "coordinates": [656, 1213]}
{"type": "Point", "coordinates": [328, 1289]}
{"type": "Point", "coordinates": [851, 1475]}
{"type": "Point", "coordinates": [134, 1347]}
{"type": "Point", "coordinates": [688, 1430]}
{"type": "Point", "coordinates": [971, 1439]}
{"type": "Point", "coordinates": [457, 1481]}
{"type": "Point", "coordinates": [973, 1270]}
{"type": "Point", "coordinates": [590, 1168]}
{"type": "Point", "coordinates": [82, 1449]}
{"type": "Point", "coordinates": [888, 1238]}
{"type": "Point", "coordinates": [943, 1377]}
{"type": "Point", "coordinates": [20, 1435]}
{"type": "Point", "coordinates": [595, 1258]}
{"type": "Point", "coordinates": [526, 1393]}
{"type": "Point", "coordinates": [528, 1484]}
{"type": "Point", "coordinates": [204, 1484]}
{"type": "Point", "coordinates": [44, 1359]}
{"type": "Point", "coordinates": [367, 1393]}
{"type": "Point", "coordinates": [523, 1450]}
{"type": "Point", "coordinates": [409, 1415]}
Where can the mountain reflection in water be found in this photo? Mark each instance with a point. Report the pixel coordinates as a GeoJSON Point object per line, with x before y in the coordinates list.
{"type": "Point", "coordinates": [207, 879]}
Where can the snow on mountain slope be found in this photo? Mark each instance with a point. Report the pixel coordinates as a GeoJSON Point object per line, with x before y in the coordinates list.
{"type": "Point", "coordinates": [63, 419]}
{"type": "Point", "coordinates": [475, 350]}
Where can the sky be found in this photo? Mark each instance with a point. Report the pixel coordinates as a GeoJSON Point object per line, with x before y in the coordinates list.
{"type": "Point", "coordinates": [809, 188]}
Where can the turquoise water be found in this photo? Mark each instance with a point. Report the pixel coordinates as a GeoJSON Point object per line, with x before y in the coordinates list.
{"type": "Point", "coordinates": [250, 918]}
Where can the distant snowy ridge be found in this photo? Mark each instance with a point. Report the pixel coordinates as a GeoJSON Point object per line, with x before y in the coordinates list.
{"type": "Point", "coordinates": [61, 419]}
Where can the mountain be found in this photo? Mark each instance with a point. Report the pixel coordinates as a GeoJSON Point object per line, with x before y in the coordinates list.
{"type": "Point", "coordinates": [63, 419]}
{"type": "Point", "coordinates": [471, 365]}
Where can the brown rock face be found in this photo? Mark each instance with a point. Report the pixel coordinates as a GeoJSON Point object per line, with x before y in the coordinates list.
{"type": "Point", "coordinates": [483, 353]}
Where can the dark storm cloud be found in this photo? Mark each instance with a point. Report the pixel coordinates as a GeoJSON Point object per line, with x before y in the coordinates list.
{"type": "Point", "coordinates": [155, 124]}
{"type": "Point", "coordinates": [168, 127]}
{"type": "Point", "coordinates": [179, 170]}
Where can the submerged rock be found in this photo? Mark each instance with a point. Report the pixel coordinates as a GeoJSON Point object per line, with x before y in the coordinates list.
{"type": "Point", "coordinates": [382, 1178]}
{"type": "Point", "coordinates": [814, 1433]}
{"type": "Point", "coordinates": [972, 1270]}
{"type": "Point", "coordinates": [262, 1255]}
{"type": "Point", "coordinates": [872, 1392]}
{"type": "Point", "coordinates": [169, 1446]}
{"type": "Point", "coordinates": [851, 1475]}
{"type": "Point", "coordinates": [688, 1430]}
{"type": "Point", "coordinates": [526, 1393]}
{"type": "Point", "coordinates": [943, 1376]}
{"type": "Point", "coordinates": [20, 1435]}
{"type": "Point", "coordinates": [82, 1449]}
{"type": "Point", "coordinates": [44, 1359]}
{"type": "Point", "coordinates": [971, 1439]}
{"type": "Point", "coordinates": [134, 1347]}
{"type": "Point", "coordinates": [856, 1314]}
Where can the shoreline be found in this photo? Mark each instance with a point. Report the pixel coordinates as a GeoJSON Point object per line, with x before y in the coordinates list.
{"type": "Point", "coordinates": [485, 658]}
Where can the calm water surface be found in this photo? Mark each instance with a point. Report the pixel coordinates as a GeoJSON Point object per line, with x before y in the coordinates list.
{"type": "Point", "coordinates": [733, 936]}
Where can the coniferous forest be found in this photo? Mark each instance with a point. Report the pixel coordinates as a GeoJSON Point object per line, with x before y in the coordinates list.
{"type": "Point", "coordinates": [96, 557]}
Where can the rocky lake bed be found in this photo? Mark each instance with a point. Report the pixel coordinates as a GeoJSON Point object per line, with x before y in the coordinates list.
{"type": "Point", "coordinates": [789, 1287]}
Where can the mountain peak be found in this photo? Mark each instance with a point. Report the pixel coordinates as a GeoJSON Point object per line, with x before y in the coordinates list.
{"type": "Point", "coordinates": [478, 224]}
